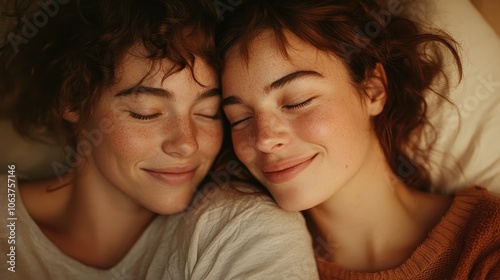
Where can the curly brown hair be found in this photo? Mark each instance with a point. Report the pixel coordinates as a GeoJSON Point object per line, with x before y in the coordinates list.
{"type": "Point", "coordinates": [60, 57]}
{"type": "Point", "coordinates": [362, 33]}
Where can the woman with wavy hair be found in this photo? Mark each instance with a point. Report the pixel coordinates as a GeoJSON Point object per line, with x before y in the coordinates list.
{"type": "Point", "coordinates": [326, 100]}
{"type": "Point", "coordinates": [132, 88]}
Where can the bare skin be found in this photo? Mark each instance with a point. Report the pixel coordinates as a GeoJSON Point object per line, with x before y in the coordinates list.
{"type": "Point", "coordinates": [306, 133]}
{"type": "Point", "coordinates": [162, 138]}
{"type": "Point", "coordinates": [375, 227]}
{"type": "Point", "coordinates": [91, 235]}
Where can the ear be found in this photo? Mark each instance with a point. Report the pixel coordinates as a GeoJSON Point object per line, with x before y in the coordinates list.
{"type": "Point", "coordinates": [375, 85]}
{"type": "Point", "coordinates": [71, 116]}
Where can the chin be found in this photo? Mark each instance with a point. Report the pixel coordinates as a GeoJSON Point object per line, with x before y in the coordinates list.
{"type": "Point", "coordinates": [292, 208]}
{"type": "Point", "coordinates": [172, 205]}
{"type": "Point", "coordinates": [293, 203]}
{"type": "Point", "coordinates": [171, 210]}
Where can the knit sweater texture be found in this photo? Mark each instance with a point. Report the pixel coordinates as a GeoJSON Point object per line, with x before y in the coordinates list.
{"type": "Point", "coordinates": [464, 245]}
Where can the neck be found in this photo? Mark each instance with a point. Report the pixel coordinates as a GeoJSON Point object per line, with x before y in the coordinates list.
{"type": "Point", "coordinates": [374, 222]}
{"type": "Point", "coordinates": [103, 221]}
{"type": "Point", "coordinates": [98, 205]}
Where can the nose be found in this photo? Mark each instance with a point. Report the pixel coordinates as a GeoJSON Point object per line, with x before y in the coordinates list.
{"type": "Point", "coordinates": [271, 133]}
{"type": "Point", "coordinates": [181, 138]}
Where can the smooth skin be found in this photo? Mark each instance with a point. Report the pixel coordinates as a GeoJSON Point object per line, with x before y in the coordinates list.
{"type": "Point", "coordinates": [160, 139]}
{"type": "Point", "coordinates": [302, 128]}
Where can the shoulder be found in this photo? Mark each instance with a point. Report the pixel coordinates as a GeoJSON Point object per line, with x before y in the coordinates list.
{"type": "Point", "coordinates": [240, 204]}
{"type": "Point", "coordinates": [237, 231]}
{"type": "Point", "coordinates": [42, 200]}
{"type": "Point", "coordinates": [480, 211]}
{"type": "Point", "coordinates": [478, 202]}
{"type": "Point", "coordinates": [476, 211]}
{"type": "Point", "coordinates": [238, 201]}
{"type": "Point", "coordinates": [471, 223]}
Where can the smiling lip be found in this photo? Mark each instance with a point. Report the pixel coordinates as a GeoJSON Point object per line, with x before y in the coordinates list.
{"type": "Point", "coordinates": [284, 172]}
{"type": "Point", "coordinates": [174, 176]}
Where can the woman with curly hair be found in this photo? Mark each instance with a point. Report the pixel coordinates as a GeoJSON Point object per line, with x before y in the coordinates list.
{"type": "Point", "coordinates": [327, 105]}
{"type": "Point", "coordinates": [132, 88]}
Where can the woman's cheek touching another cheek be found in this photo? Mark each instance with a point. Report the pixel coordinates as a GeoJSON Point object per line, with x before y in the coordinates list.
{"type": "Point", "coordinates": [166, 135]}
{"type": "Point", "coordinates": [298, 124]}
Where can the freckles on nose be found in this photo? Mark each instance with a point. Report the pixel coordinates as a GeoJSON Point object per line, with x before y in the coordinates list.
{"type": "Point", "coordinates": [180, 132]}
{"type": "Point", "coordinates": [186, 133]}
{"type": "Point", "coordinates": [263, 132]}
{"type": "Point", "coordinates": [266, 130]}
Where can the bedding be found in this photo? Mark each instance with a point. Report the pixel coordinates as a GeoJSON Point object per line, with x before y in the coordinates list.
{"type": "Point", "coordinates": [467, 151]}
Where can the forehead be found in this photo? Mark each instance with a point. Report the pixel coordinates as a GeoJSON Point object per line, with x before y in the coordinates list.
{"type": "Point", "coordinates": [265, 48]}
{"type": "Point", "coordinates": [135, 68]}
{"type": "Point", "coordinates": [267, 63]}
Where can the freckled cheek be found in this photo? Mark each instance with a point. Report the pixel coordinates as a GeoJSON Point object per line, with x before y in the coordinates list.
{"type": "Point", "coordinates": [335, 130]}
{"type": "Point", "coordinates": [210, 139]}
{"type": "Point", "coordinates": [315, 126]}
{"type": "Point", "coordinates": [130, 142]}
{"type": "Point", "coordinates": [243, 147]}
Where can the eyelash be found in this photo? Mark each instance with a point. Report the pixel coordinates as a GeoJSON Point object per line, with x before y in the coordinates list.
{"type": "Point", "coordinates": [142, 117]}
{"type": "Point", "coordinates": [217, 116]}
{"type": "Point", "coordinates": [289, 107]}
{"type": "Point", "coordinates": [214, 117]}
{"type": "Point", "coordinates": [300, 105]}
{"type": "Point", "coordinates": [238, 122]}
{"type": "Point", "coordinates": [154, 116]}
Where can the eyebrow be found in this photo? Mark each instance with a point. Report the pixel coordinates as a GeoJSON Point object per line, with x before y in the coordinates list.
{"type": "Point", "coordinates": [209, 93]}
{"type": "Point", "coordinates": [160, 92]}
{"type": "Point", "coordinates": [279, 83]}
{"type": "Point", "coordinates": [136, 90]}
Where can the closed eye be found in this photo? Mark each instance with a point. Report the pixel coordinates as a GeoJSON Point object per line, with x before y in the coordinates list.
{"type": "Point", "coordinates": [299, 105]}
{"type": "Point", "coordinates": [233, 124]}
{"type": "Point", "coordinates": [211, 117]}
{"type": "Point", "coordinates": [144, 117]}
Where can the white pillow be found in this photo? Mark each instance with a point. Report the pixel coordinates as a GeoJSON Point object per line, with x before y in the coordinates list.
{"type": "Point", "coordinates": [468, 149]}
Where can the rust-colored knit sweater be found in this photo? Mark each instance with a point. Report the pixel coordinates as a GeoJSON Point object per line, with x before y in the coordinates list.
{"type": "Point", "coordinates": [464, 245]}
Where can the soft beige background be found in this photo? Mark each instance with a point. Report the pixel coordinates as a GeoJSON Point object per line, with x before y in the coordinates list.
{"type": "Point", "coordinates": [490, 9]}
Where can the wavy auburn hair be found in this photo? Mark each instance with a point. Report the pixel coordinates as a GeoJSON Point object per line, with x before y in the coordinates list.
{"type": "Point", "coordinates": [69, 60]}
{"type": "Point", "coordinates": [361, 33]}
